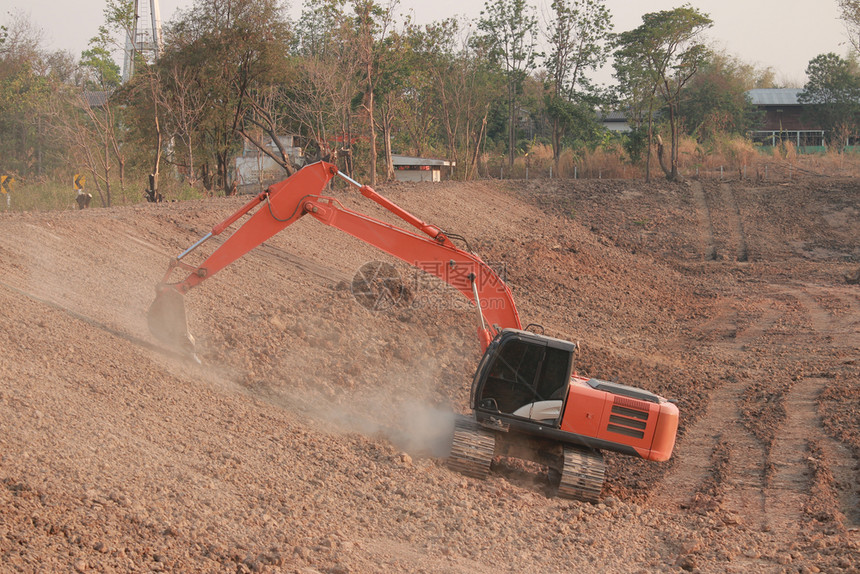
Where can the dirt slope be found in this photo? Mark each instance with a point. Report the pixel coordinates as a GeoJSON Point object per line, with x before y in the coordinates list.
{"type": "Point", "coordinates": [312, 436]}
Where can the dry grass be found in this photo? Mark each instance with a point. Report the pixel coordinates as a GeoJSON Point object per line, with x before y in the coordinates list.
{"type": "Point", "coordinates": [727, 158]}
{"type": "Point", "coordinates": [49, 195]}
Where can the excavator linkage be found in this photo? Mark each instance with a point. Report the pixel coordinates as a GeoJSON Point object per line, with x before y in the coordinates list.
{"type": "Point", "coordinates": [284, 203]}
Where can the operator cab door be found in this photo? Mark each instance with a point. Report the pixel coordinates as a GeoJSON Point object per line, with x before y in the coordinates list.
{"type": "Point", "coordinates": [524, 375]}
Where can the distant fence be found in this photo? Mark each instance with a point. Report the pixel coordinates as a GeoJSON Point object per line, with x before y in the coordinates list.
{"type": "Point", "coordinates": [764, 169]}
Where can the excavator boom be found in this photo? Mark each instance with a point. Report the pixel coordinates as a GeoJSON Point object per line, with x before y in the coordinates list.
{"type": "Point", "coordinates": [286, 202]}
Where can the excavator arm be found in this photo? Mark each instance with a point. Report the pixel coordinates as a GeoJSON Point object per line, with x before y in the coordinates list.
{"type": "Point", "coordinates": [286, 202]}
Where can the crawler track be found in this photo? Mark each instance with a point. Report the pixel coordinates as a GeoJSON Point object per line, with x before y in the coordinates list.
{"type": "Point", "coordinates": [582, 477]}
{"type": "Point", "coordinates": [472, 449]}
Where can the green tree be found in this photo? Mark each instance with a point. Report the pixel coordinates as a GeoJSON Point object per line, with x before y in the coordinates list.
{"type": "Point", "coordinates": [235, 46]}
{"type": "Point", "coordinates": [575, 37]}
{"type": "Point", "coordinates": [102, 73]}
{"type": "Point", "coordinates": [421, 103]}
{"type": "Point", "coordinates": [396, 69]}
{"type": "Point", "coordinates": [317, 30]}
{"type": "Point", "coordinates": [716, 101]}
{"type": "Point", "coordinates": [509, 30]}
{"type": "Point", "coordinates": [637, 94]}
{"type": "Point", "coordinates": [30, 79]}
{"type": "Point", "coordinates": [832, 94]}
{"type": "Point", "coordinates": [667, 47]}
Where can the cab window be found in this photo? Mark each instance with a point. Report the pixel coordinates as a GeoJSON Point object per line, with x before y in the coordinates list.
{"type": "Point", "coordinates": [523, 372]}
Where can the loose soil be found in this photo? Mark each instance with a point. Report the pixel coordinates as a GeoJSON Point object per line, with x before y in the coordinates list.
{"type": "Point", "coordinates": [312, 435]}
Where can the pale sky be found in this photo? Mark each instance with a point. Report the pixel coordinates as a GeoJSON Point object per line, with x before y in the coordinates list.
{"type": "Point", "coordinates": [782, 34]}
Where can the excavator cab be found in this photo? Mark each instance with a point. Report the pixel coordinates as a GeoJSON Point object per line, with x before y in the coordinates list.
{"type": "Point", "coordinates": [524, 375]}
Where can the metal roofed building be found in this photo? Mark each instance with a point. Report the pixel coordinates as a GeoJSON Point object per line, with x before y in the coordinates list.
{"type": "Point", "coordinates": [408, 168]}
{"type": "Point", "coordinates": [783, 119]}
{"type": "Point", "coordinates": [614, 121]}
{"type": "Point", "coordinates": [774, 96]}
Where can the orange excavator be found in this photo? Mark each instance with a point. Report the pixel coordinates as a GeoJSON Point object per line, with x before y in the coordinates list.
{"type": "Point", "coordinates": [527, 401]}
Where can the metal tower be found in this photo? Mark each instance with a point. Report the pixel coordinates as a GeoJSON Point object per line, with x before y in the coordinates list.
{"type": "Point", "coordinates": [146, 37]}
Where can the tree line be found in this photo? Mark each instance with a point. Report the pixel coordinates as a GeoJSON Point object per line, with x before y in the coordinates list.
{"type": "Point", "coordinates": [357, 82]}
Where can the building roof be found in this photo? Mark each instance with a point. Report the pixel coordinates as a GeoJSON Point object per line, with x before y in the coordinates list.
{"type": "Point", "coordinates": [774, 96]}
{"type": "Point", "coordinates": [612, 116]}
{"type": "Point", "coordinates": [406, 160]}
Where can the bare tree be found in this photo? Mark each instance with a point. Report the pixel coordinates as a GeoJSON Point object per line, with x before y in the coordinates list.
{"type": "Point", "coordinates": [261, 113]}
{"type": "Point", "coordinates": [458, 89]}
{"type": "Point", "coordinates": [850, 14]}
{"type": "Point", "coordinates": [371, 23]}
{"type": "Point", "coordinates": [184, 105]}
{"type": "Point", "coordinates": [320, 100]}
{"type": "Point", "coordinates": [85, 122]}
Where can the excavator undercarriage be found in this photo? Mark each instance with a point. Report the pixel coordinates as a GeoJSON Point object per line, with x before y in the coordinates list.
{"type": "Point", "coordinates": [575, 472]}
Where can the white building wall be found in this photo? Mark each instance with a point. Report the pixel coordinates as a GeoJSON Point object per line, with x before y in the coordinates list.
{"type": "Point", "coordinates": [434, 175]}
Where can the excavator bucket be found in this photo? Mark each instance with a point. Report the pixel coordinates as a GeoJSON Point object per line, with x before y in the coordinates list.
{"type": "Point", "coordinates": [166, 318]}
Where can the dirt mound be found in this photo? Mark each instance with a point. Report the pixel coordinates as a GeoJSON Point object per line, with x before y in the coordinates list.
{"type": "Point", "coordinates": [312, 437]}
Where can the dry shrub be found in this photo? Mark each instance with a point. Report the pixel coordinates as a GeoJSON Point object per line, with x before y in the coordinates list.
{"type": "Point", "coordinates": [833, 162]}
{"type": "Point", "coordinates": [738, 152]}
{"type": "Point", "coordinates": [566, 163]}
{"type": "Point", "coordinates": [735, 155]}
{"type": "Point", "coordinates": [538, 161]}
{"type": "Point", "coordinates": [730, 157]}
{"type": "Point", "coordinates": [787, 150]}
{"type": "Point", "coordinates": [689, 154]}
{"type": "Point", "coordinates": [541, 153]}
{"type": "Point", "coordinates": [607, 163]}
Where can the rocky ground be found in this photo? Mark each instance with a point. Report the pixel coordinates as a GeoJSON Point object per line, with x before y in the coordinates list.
{"type": "Point", "coordinates": [311, 437]}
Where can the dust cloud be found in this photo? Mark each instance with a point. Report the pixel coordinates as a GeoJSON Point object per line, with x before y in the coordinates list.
{"type": "Point", "coordinates": [412, 424]}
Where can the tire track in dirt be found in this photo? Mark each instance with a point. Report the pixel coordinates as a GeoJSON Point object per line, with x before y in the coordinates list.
{"type": "Point", "coordinates": [683, 486]}
{"type": "Point", "coordinates": [737, 490]}
{"type": "Point", "coordinates": [846, 479]}
{"type": "Point", "coordinates": [786, 493]}
{"type": "Point", "coordinates": [758, 329]}
{"type": "Point", "coordinates": [735, 222]}
{"type": "Point", "coordinates": [706, 224]}
{"type": "Point", "coordinates": [833, 312]}
{"type": "Point", "coordinates": [789, 490]}
{"type": "Point", "coordinates": [767, 490]}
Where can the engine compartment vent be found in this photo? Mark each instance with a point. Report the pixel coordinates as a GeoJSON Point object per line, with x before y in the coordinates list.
{"type": "Point", "coordinates": [628, 421]}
